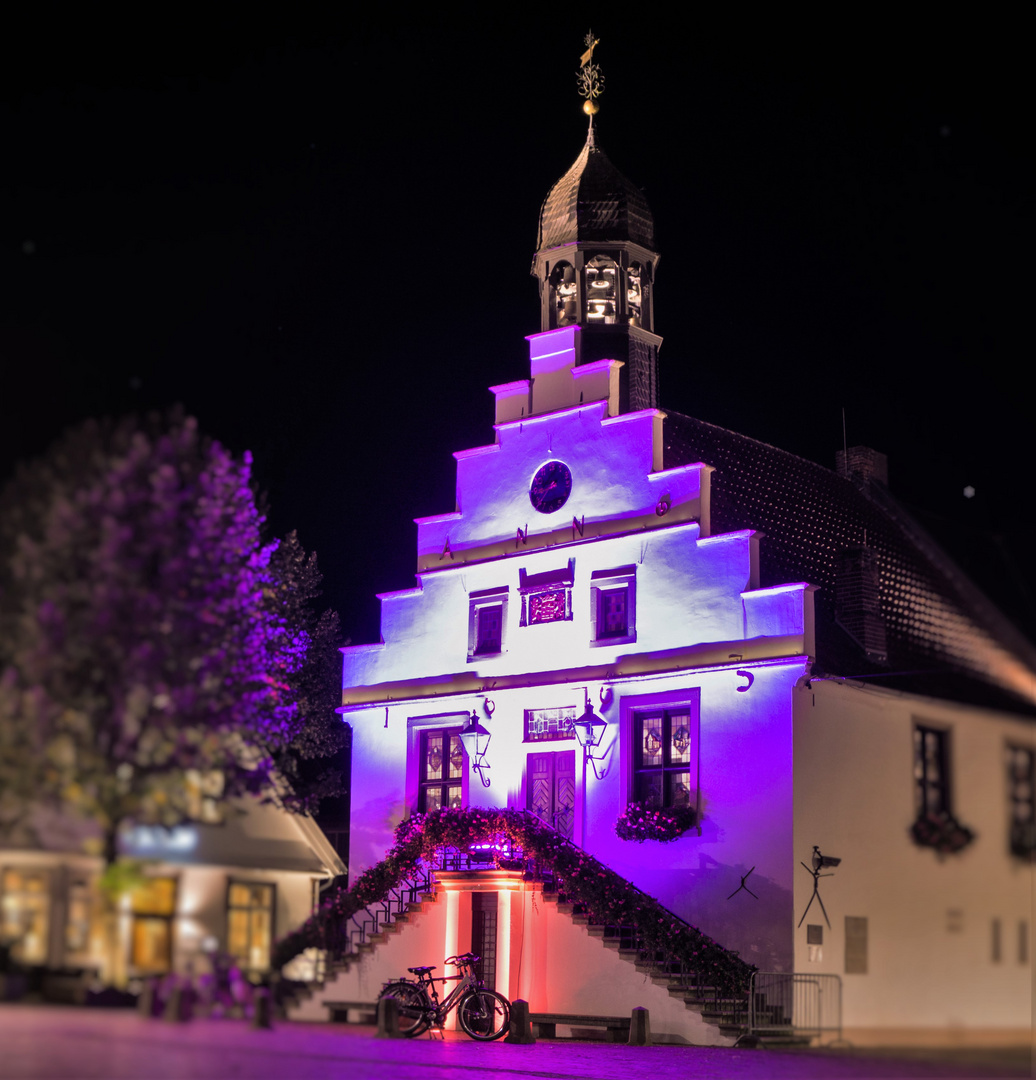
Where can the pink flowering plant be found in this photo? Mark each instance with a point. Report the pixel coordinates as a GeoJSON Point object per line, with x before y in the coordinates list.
{"type": "Point", "coordinates": [666, 824]}
{"type": "Point", "coordinates": [516, 838]}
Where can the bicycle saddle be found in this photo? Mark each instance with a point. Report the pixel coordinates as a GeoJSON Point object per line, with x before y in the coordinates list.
{"type": "Point", "coordinates": [420, 970]}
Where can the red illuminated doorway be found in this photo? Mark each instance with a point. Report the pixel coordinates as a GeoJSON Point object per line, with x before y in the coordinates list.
{"type": "Point", "coordinates": [551, 789]}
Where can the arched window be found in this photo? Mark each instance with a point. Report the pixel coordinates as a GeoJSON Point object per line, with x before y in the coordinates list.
{"type": "Point", "coordinates": [564, 294]}
{"type": "Point", "coordinates": [602, 275]}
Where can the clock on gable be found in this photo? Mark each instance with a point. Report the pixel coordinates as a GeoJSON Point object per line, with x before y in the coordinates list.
{"type": "Point", "coordinates": [550, 487]}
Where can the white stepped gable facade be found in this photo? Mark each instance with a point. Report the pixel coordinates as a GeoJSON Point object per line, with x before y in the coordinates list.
{"type": "Point", "coordinates": [577, 569]}
{"type": "Point", "coordinates": [617, 596]}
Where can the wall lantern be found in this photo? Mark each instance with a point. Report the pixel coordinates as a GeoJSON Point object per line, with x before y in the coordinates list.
{"type": "Point", "coordinates": [471, 738]}
{"type": "Point", "coordinates": [589, 729]}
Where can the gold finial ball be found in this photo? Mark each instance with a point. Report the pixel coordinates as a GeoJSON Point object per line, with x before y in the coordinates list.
{"type": "Point", "coordinates": [591, 108]}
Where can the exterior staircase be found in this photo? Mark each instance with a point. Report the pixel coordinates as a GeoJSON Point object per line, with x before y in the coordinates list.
{"type": "Point", "coordinates": [357, 954]}
{"type": "Point", "coordinates": [726, 1012]}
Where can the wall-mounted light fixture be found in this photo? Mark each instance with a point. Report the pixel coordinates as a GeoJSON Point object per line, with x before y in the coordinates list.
{"type": "Point", "coordinates": [589, 729]}
{"type": "Point", "coordinates": [471, 738]}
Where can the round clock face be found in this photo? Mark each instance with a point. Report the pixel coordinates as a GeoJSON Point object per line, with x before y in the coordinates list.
{"type": "Point", "coordinates": [551, 487]}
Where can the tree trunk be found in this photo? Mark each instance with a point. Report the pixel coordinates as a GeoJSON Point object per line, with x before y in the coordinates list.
{"type": "Point", "coordinates": [117, 973]}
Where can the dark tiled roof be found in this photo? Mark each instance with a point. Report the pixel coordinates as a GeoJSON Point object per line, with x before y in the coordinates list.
{"type": "Point", "coordinates": [937, 622]}
{"type": "Point", "coordinates": [594, 201]}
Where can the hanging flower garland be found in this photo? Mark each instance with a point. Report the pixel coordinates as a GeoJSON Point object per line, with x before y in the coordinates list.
{"type": "Point", "coordinates": [666, 824]}
{"type": "Point", "coordinates": [606, 897]}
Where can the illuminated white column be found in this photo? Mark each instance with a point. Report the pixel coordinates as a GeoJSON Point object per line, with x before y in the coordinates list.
{"type": "Point", "coordinates": [451, 945]}
{"type": "Point", "coordinates": [503, 942]}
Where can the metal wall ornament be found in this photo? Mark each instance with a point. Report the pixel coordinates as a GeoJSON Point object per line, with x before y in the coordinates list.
{"type": "Point", "coordinates": [820, 862]}
{"type": "Point", "coordinates": [744, 878]}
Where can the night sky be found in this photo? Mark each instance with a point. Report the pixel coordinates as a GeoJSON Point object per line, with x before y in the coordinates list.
{"type": "Point", "coordinates": [318, 241]}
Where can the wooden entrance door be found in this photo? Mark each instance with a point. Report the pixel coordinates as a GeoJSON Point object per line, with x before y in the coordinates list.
{"type": "Point", "coordinates": [552, 789]}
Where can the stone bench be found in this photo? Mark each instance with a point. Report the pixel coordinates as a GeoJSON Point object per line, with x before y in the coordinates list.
{"type": "Point", "coordinates": [617, 1028]}
{"type": "Point", "coordinates": [340, 1010]}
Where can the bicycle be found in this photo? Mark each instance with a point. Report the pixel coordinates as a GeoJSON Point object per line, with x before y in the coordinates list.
{"type": "Point", "coordinates": [483, 1014]}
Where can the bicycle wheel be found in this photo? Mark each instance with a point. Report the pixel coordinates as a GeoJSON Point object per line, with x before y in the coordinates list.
{"type": "Point", "coordinates": [484, 1014]}
{"type": "Point", "coordinates": [412, 1005]}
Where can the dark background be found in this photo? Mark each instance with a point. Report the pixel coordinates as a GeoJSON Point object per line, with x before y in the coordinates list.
{"type": "Point", "coordinates": [317, 239]}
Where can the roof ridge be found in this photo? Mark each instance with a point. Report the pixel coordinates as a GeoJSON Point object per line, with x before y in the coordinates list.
{"type": "Point", "coordinates": [758, 442]}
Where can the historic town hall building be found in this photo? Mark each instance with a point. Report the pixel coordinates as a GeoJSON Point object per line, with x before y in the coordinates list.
{"type": "Point", "coordinates": [631, 606]}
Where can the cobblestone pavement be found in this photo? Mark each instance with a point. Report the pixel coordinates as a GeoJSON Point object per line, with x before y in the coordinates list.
{"type": "Point", "coordinates": [61, 1043]}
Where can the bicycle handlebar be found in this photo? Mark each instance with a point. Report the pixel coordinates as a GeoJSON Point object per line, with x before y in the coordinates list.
{"type": "Point", "coordinates": [463, 960]}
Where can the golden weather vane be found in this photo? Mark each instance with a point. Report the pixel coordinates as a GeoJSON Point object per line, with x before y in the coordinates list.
{"type": "Point", "coordinates": [589, 77]}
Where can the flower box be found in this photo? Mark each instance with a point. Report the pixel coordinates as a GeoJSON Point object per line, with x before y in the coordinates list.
{"type": "Point", "coordinates": [665, 824]}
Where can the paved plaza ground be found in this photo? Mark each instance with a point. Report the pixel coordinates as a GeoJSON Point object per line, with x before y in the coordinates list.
{"type": "Point", "coordinates": [60, 1043]}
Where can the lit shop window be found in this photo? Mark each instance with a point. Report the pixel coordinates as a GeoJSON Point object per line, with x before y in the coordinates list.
{"type": "Point", "coordinates": [25, 913]}
{"type": "Point", "coordinates": [665, 758]}
{"type": "Point", "coordinates": [250, 908]}
{"type": "Point", "coordinates": [153, 905]}
{"type": "Point", "coordinates": [442, 771]}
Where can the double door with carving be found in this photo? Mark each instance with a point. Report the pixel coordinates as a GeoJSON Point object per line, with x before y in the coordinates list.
{"type": "Point", "coordinates": [552, 789]}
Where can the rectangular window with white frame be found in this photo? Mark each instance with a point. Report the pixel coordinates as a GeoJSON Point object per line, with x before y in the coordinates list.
{"type": "Point", "coordinates": [487, 617]}
{"type": "Point", "coordinates": [613, 602]}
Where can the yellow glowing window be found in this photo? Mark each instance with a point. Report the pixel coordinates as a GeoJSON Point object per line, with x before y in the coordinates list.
{"type": "Point", "coordinates": [250, 908]}
{"type": "Point", "coordinates": [152, 943]}
{"type": "Point", "coordinates": [153, 904]}
{"type": "Point", "coordinates": [157, 896]}
{"type": "Point", "coordinates": [25, 913]}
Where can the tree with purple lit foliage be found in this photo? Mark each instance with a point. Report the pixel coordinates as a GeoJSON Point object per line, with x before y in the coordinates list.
{"type": "Point", "coordinates": [153, 645]}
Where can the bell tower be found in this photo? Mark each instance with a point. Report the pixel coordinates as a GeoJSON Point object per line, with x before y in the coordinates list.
{"type": "Point", "coordinates": [595, 260]}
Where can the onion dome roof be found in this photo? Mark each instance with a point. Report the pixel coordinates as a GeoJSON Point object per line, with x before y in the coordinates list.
{"type": "Point", "coordinates": [594, 201]}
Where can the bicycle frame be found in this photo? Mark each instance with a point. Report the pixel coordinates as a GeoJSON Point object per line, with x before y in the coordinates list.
{"type": "Point", "coordinates": [466, 981]}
